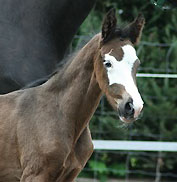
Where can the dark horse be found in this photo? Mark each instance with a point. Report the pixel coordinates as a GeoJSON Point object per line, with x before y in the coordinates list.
{"type": "Point", "coordinates": [44, 130]}
{"type": "Point", "coordinates": [35, 35]}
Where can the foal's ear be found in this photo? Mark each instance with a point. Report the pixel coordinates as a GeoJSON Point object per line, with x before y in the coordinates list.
{"type": "Point", "coordinates": [109, 25]}
{"type": "Point", "coordinates": [134, 29]}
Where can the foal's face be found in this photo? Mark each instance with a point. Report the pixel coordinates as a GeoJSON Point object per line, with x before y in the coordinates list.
{"type": "Point", "coordinates": [117, 66]}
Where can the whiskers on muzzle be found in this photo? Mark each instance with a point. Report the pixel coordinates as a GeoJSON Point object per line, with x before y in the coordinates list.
{"type": "Point", "coordinates": [125, 125]}
{"type": "Point", "coordinates": [128, 125]}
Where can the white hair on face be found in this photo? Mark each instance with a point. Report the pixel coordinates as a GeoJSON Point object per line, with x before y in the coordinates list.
{"type": "Point", "coordinates": [120, 72]}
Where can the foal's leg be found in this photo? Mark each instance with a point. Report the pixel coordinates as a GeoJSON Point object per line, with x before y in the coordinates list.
{"type": "Point", "coordinates": [72, 176]}
{"type": "Point", "coordinates": [82, 153]}
{"type": "Point", "coordinates": [48, 173]}
{"type": "Point", "coordinates": [41, 177]}
{"type": "Point", "coordinates": [44, 167]}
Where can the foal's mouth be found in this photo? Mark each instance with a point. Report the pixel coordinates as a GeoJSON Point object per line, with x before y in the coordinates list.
{"type": "Point", "coordinates": [127, 120]}
{"type": "Point", "coordinates": [130, 120]}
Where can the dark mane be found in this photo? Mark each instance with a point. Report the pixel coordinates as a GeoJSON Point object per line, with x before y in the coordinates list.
{"type": "Point", "coordinates": [118, 32]}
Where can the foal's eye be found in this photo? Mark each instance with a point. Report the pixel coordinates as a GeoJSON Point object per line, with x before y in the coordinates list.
{"type": "Point", "coordinates": [108, 65]}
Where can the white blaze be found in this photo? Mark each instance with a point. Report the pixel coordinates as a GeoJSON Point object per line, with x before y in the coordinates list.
{"type": "Point", "coordinates": [121, 73]}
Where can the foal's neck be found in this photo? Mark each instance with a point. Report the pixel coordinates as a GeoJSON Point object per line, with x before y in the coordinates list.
{"type": "Point", "coordinates": [77, 88]}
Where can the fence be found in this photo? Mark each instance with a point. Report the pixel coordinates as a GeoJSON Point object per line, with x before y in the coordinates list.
{"type": "Point", "coordinates": [135, 145]}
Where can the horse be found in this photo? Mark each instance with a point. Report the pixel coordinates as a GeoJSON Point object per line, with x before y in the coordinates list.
{"type": "Point", "coordinates": [35, 36]}
{"type": "Point", "coordinates": [44, 130]}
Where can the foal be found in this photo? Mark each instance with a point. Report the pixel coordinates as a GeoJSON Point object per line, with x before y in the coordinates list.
{"type": "Point", "coordinates": [44, 133]}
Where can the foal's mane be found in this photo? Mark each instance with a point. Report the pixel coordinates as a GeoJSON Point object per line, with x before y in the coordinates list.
{"type": "Point", "coordinates": [61, 67]}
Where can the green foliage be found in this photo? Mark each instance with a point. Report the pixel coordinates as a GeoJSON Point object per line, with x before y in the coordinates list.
{"type": "Point", "coordinates": [164, 4]}
{"type": "Point", "coordinates": [159, 3]}
{"type": "Point", "coordinates": [159, 121]}
{"type": "Point", "coordinates": [104, 167]}
{"type": "Point", "coordinates": [101, 168]}
{"type": "Point", "coordinates": [119, 170]}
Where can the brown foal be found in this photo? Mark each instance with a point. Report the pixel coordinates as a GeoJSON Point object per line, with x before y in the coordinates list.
{"type": "Point", "coordinates": [44, 132]}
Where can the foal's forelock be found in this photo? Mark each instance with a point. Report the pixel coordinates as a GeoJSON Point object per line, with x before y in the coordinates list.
{"type": "Point", "coordinates": [123, 73]}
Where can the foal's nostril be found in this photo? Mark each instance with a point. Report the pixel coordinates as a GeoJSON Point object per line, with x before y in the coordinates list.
{"type": "Point", "coordinates": [129, 110]}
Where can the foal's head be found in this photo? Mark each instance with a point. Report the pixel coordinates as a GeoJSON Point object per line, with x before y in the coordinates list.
{"type": "Point", "coordinates": [117, 64]}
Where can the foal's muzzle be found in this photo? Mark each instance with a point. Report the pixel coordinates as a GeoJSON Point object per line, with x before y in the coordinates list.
{"type": "Point", "coordinates": [127, 112]}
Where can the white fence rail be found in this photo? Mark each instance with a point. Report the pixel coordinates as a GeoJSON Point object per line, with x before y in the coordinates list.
{"type": "Point", "coordinates": [150, 75]}
{"type": "Point", "coordinates": [135, 145]}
